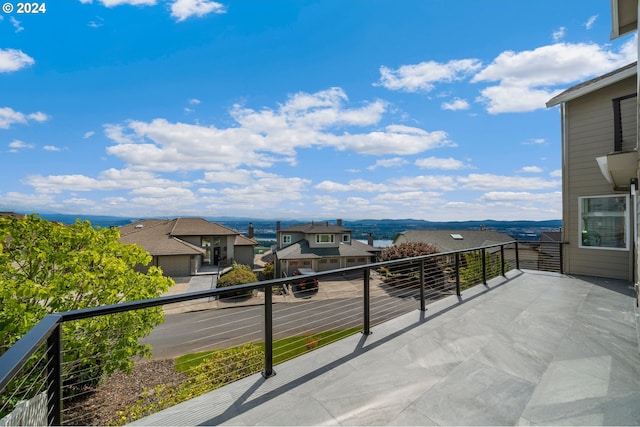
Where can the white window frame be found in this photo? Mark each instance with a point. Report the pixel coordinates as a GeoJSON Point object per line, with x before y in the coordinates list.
{"type": "Point", "coordinates": [286, 238]}
{"type": "Point", "coordinates": [625, 215]}
{"type": "Point", "coordinates": [321, 242]}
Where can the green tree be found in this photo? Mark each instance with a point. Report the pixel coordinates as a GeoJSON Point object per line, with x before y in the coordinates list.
{"type": "Point", "coordinates": [48, 267]}
{"type": "Point", "coordinates": [471, 273]}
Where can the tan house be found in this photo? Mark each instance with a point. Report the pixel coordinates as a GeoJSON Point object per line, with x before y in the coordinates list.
{"type": "Point", "coordinates": [319, 246]}
{"type": "Point", "coordinates": [184, 246]}
{"type": "Point", "coordinates": [599, 176]}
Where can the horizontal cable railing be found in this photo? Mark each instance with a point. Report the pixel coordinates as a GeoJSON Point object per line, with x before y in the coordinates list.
{"type": "Point", "coordinates": [70, 364]}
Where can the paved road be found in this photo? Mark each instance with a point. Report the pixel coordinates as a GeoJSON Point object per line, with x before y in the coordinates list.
{"type": "Point", "coordinates": [185, 333]}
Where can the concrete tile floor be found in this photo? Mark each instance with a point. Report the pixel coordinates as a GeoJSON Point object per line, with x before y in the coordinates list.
{"type": "Point", "coordinates": [537, 349]}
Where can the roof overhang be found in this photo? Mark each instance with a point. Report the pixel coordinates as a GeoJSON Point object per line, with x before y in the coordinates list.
{"type": "Point", "coordinates": [596, 84]}
{"type": "Point", "coordinates": [624, 17]}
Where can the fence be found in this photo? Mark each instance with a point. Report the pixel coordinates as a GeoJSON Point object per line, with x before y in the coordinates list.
{"type": "Point", "coordinates": [206, 349]}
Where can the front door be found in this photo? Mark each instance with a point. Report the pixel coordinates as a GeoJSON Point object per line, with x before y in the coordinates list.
{"type": "Point", "coordinates": [216, 255]}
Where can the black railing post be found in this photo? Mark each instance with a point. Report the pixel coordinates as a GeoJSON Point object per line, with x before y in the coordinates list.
{"type": "Point", "coordinates": [268, 333]}
{"type": "Point", "coordinates": [422, 302]}
{"type": "Point", "coordinates": [484, 266]}
{"type": "Point", "coordinates": [517, 257]}
{"type": "Point", "coordinates": [367, 300]}
{"type": "Point", "coordinates": [561, 258]}
{"type": "Point", "coordinates": [458, 274]}
{"type": "Point", "coordinates": [54, 377]}
{"type": "Point", "coordinates": [502, 260]}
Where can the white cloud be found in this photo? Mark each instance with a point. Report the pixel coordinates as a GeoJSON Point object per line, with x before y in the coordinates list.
{"type": "Point", "coordinates": [13, 60]}
{"type": "Point", "coordinates": [16, 24]}
{"type": "Point", "coordinates": [556, 173]}
{"type": "Point", "coordinates": [194, 101]}
{"type": "Point", "coordinates": [591, 21]}
{"type": "Point", "coordinates": [88, 135]}
{"type": "Point", "coordinates": [17, 145]}
{"type": "Point", "coordinates": [360, 185]}
{"type": "Point", "coordinates": [388, 163]}
{"type": "Point", "coordinates": [9, 116]}
{"type": "Point", "coordinates": [113, 3]}
{"type": "Point", "coordinates": [455, 104]}
{"type": "Point", "coordinates": [487, 182]}
{"type": "Point", "coordinates": [51, 148]}
{"type": "Point", "coordinates": [537, 141]}
{"type": "Point", "coordinates": [440, 163]}
{"type": "Point", "coordinates": [111, 179]}
{"type": "Point", "coordinates": [559, 34]}
{"type": "Point", "coordinates": [261, 138]}
{"type": "Point", "coordinates": [424, 76]}
{"type": "Point", "coordinates": [424, 182]}
{"type": "Point", "coordinates": [521, 196]}
{"type": "Point", "coordinates": [529, 78]}
{"type": "Point", "coordinates": [531, 169]}
{"type": "Point", "coordinates": [183, 9]}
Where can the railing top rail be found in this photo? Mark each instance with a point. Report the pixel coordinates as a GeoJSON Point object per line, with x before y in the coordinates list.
{"type": "Point", "coordinates": [25, 347]}
{"type": "Point", "coordinates": [13, 359]}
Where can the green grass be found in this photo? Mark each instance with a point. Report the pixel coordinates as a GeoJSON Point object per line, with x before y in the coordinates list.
{"type": "Point", "coordinates": [283, 350]}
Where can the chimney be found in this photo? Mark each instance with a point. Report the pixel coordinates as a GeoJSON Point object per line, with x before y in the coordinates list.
{"type": "Point", "coordinates": [339, 222]}
{"type": "Point", "coordinates": [277, 226]}
{"type": "Point", "coordinates": [370, 239]}
{"type": "Point", "coordinates": [250, 230]}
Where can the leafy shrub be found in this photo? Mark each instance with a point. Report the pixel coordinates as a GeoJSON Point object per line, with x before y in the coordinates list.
{"type": "Point", "coordinates": [239, 275]}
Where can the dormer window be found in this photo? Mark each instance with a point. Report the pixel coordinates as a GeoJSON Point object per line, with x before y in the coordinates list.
{"type": "Point", "coordinates": [286, 239]}
{"type": "Point", "coordinates": [346, 238]}
{"type": "Point", "coordinates": [324, 238]}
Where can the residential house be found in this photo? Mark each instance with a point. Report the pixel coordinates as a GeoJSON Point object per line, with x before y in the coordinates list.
{"type": "Point", "coordinates": [320, 246]}
{"type": "Point", "coordinates": [184, 246]}
{"type": "Point", "coordinates": [453, 240]}
{"type": "Point", "coordinates": [599, 174]}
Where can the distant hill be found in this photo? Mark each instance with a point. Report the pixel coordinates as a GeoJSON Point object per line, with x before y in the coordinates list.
{"type": "Point", "coordinates": [381, 229]}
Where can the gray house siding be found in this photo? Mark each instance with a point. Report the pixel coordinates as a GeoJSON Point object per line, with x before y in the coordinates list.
{"type": "Point", "coordinates": [589, 133]}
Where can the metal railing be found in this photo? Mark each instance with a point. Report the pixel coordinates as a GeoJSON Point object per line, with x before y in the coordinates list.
{"type": "Point", "coordinates": [258, 334]}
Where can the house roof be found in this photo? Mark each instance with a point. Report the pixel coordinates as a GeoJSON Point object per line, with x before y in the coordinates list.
{"type": "Point", "coordinates": [315, 228]}
{"type": "Point", "coordinates": [244, 241]}
{"type": "Point", "coordinates": [624, 17]}
{"type": "Point", "coordinates": [594, 84]}
{"type": "Point", "coordinates": [13, 214]}
{"type": "Point", "coordinates": [551, 236]}
{"type": "Point", "coordinates": [301, 250]}
{"type": "Point", "coordinates": [453, 240]}
{"type": "Point", "coordinates": [155, 237]}
{"type": "Point", "coordinates": [199, 227]}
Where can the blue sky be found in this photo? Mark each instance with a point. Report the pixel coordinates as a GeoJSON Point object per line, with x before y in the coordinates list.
{"type": "Point", "coordinates": [351, 109]}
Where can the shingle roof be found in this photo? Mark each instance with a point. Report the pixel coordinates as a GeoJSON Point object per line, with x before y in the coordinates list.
{"type": "Point", "coordinates": [199, 227]}
{"type": "Point", "coordinates": [155, 237]}
{"type": "Point", "coordinates": [594, 84]}
{"type": "Point", "coordinates": [444, 242]}
{"type": "Point", "coordinates": [244, 241]}
{"type": "Point", "coordinates": [301, 250]}
{"type": "Point", "coordinates": [315, 227]}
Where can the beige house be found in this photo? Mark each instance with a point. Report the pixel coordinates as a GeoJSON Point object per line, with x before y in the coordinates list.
{"type": "Point", "coordinates": [184, 246]}
{"type": "Point", "coordinates": [319, 246]}
{"type": "Point", "coordinates": [600, 162]}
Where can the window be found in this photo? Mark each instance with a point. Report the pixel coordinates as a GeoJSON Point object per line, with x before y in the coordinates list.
{"type": "Point", "coordinates": [604, 222]}
{"type": "Point", "coordinates": [346, 238]}
{"type": "Point", "coordinates": [286, 238]}
{"type": "Point", "coordinates": [324, 238]}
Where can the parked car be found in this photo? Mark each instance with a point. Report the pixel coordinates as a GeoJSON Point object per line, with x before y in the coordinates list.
{"type": "Point", "coordinates": [309, 283]}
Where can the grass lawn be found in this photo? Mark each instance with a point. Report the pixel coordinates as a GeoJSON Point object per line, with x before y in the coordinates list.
{"type": "Point", "coordinates": [283, 350]}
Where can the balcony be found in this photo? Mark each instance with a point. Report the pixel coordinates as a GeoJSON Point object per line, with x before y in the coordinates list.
{"type": "Point", "coordinates": [522, 347]}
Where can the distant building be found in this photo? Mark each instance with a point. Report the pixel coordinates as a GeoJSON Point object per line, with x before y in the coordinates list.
{"type": "Point", "coordinates": [182, 246]}
{"type": "Point", "coordinates": [320, 246]}
{"type": "Point", "coordinates": [453, 240]}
